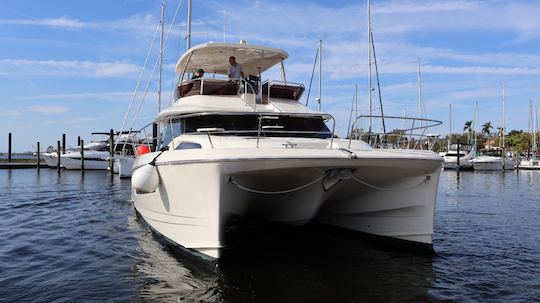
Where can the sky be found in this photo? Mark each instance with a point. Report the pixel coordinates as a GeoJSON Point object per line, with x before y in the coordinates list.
{"type": "Point", "coordinates": [72, 66]}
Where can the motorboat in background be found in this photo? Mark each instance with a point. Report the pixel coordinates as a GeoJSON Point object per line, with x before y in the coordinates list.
{"type": "Point", "coordinates": [248, 148]}
{"type": "Point", "coordinates": [96, 153]}
{"type": "Point", "coordinates": [492, 159]}
{"type": "Point", "coordinates": [465, 153]}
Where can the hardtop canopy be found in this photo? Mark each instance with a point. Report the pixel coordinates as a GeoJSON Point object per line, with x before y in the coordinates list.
{"type": "Point", "coordinates": [214, 57]}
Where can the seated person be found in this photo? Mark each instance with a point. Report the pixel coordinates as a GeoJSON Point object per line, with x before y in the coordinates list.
{"type": "Point", "coordinates": [235, 70]}
{"type": "Point", "coordinates": [198, 74]}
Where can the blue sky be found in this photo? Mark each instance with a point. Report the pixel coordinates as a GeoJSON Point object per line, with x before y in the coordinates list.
{"type": "Point", "coordinates": [71, 66]}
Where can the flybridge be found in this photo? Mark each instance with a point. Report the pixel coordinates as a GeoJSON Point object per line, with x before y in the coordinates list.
{"type": "Point", "coordinates": [214, 58]}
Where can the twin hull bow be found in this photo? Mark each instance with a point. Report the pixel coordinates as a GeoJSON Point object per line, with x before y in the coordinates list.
{"type": "Point", "coordinates": [381, 192]}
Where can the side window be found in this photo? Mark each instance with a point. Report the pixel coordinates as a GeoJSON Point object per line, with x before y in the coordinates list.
{"type": "Point", "coordinates": [168, 132]}
{"type": "Point", "coordinates": [188, 145]}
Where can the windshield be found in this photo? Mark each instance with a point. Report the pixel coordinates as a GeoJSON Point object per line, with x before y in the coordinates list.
{"type": "Point", "coordinates": [248, 125]}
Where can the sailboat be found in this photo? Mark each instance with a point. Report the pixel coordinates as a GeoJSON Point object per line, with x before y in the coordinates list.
{"type": "Point", "coordinates": [495, 158]}
{"type": "Point", "coordinates": [458, 155]}
{"type": "Point", "coordinates": [533, 161]}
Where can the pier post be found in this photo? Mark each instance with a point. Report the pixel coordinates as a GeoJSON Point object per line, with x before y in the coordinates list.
{"type": "Point", "coordinates": [58, 155]}
{"type": "Point", "coordinates": [458, 146]}
{"type": "Point", "coordinates": [38, 156]}
{"type": "Point", "coordinates": [81, 144]}
{"type": "Point", "coordinates": [78, 140]}
{"type": "Point", "coordinates": [63, 144]}
{"type": "Point", "coordinates": [111, 151]}
{"type": "Point", "coordinates": [9, 148]}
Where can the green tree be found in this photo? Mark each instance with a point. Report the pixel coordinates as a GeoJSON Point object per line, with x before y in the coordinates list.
{"type": "Point", "coordinates": [468, 129]}
{"type": "Point", "coordinates": [486, 129]}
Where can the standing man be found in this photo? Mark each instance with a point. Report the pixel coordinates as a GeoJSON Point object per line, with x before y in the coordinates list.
{"type": "Point", "coordinates": [235, 70]}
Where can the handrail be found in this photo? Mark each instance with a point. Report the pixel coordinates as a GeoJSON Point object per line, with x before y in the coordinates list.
{"type": "Point", "coordinates": [248, 89]}
{"type": "Point", "coordinates": [403, 131]}
{"type": "Point", "coordinates": [284, 83]}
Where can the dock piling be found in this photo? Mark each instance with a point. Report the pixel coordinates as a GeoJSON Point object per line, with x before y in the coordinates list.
{"type": "Point", "coordinates": [78, 140]}
{"type": "Point", "coordinates": [458, 146]}
{"type": "Point", "coordinates": [58, 155]}
{"type": "Point", "coordinates": [81, 144]}
{"type": "Point", "coordinates": [111, 151]}
{"type": "Point", "coordinates": [63, 144]}
{"type": "Point", "coordinates": [38, 156]}
{"type": "Point", "coordinates": [9, 148]}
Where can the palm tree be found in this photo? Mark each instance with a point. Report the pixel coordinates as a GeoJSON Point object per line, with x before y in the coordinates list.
{"type": "Point", "coordinates": [468, 128]}
{"type": "Point", "coordinates": [486, 128]}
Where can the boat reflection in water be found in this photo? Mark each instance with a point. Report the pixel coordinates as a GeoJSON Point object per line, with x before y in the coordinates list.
{"type": "Point", "coordinates": [287, 264]}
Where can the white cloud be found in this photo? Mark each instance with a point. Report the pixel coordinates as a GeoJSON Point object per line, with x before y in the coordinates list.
{"type": "Point", "coordinates": [61, 22]}
{"type": "Point", "coordinates": [29, 68]}
{"type": "Point", "coordinates": [47, 109]}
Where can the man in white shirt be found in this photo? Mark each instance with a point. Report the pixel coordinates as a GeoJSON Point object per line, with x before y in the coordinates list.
{"type": "Point", "coordinates": [235, 70]}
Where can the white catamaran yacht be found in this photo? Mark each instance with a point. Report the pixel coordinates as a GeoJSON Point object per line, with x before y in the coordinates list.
{"type": "Point", "coordinates": [246, 147]}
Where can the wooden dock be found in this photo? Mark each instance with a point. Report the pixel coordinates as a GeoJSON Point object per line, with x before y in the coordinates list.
{"type": "Point", "coordinates": [21, 165]}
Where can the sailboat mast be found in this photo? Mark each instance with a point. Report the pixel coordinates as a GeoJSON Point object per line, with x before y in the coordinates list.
{"type": "Point", "coordinates": [503, 120]}
{"type": "Point", "coordinates": [160, 55]}
{"type": "Point", "coordinates": [369, 67]}
{"type": "Point", "coordinates": [320, 76]}
{"type": "Point", "coordinates": [419, 82]}
{"type": "Point", "coordinates": [188, 33]}
{"type": "Point", "coordinates": [535, 130]}
{"type": "Point", "coordinates": [450, 123]}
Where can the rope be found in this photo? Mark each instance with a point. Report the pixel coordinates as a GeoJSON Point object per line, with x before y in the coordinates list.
{"type": "Point", "coordinates": [149, 79]}
{"type": "Point", "coordinates": [233, 181]}
{"type": "Point", "coordinates": [136, 89]}
{"type": "Point", "coordinates": [386, 189]}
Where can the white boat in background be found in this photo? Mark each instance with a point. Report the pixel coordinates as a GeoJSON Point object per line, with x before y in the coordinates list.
{"type": "Point", "coordinates": [495, 158]}
{"type": "Point", "coordinates": [532, 162]}
{"type": "Point", "coordinates": [466, 154]}
{"type": "Point", "coordinates": [248, 148]}
{"type": "Point", "coordinates": [97, 153]}
{"type": "Point", "coordinates": [51, 159]}
{"type": "Point", "coordinates": [123, 165]}
{"type": "Point", "coordinates": [93, 160]}
{"type": "Point", "coordinates": [492, 159]}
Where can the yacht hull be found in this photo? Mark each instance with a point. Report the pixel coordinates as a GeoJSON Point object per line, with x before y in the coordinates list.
{"type": "Point", "coordinates": [392, 197]}
{"type": "Point", "coordinates": [532, 164]}
{"type": "Point", "coordinates": [123, 165]}
{"type": "Point", "coordinates": [492, 163]}
{"type": "Point", "coordinates": [50, 159]}
{"type": "Point", "coordinates": [73, 161]}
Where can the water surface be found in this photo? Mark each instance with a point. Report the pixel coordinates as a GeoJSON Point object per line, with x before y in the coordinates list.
{"type": "Point", "coordinates": [74, 237]}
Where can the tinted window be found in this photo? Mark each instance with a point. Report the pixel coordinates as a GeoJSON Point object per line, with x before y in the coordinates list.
{"type": "Point", "coordinates": [247, 125]}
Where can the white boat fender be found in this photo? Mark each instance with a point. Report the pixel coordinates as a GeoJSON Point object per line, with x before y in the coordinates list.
{"type": "Point", "coordinates": [146, 178]}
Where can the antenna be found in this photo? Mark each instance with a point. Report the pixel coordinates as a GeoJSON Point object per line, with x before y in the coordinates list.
{"type": "Point", "coordinates": [188, 34]}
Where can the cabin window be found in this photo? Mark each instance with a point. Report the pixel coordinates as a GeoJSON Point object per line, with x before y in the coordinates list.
{"type": "Point", "coordinates": [168, 132]}
{"type": "Point", "coordinates": [188, 145]}
{"type": "Point", "coordinates": [247, 125]}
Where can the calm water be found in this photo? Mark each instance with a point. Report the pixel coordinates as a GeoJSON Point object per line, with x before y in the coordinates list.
{"type": "Point", "coordinates": [70, 238]}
